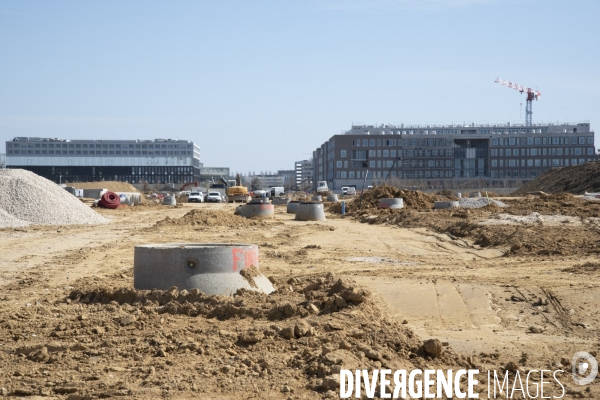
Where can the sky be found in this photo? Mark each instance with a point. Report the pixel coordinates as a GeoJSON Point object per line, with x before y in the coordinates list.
{"type": "Point", "coordinates": [260, 84]}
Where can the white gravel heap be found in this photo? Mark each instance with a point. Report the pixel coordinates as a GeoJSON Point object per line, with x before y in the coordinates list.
{"type": "Point", "coordinates": [27, 198]}
{"type": "Point", "coordinates": [478, 202]}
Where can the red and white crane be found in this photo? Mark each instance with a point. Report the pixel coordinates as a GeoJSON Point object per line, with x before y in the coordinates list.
{"type": "Point", "coordinates": [531, 95]}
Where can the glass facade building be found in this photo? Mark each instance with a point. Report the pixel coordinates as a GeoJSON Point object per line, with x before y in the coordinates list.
{"type": "Point", "coordinates": [437, 153]}
{"type": "Point", "coordinates": [133, 161]}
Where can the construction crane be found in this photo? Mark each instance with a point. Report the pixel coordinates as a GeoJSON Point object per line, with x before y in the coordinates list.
{"type": "Point", "coordinates": [531, 95]}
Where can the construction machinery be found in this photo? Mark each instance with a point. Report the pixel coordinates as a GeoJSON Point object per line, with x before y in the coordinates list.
{"type": "Point", "coordinates": [531, 95]}
{"type": "Point", "coordinates": [187, 185]}
{"type": "Point", "coordinates": [236, 192]}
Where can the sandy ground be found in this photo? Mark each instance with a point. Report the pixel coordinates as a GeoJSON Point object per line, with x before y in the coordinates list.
{"type": "Point", "coordinates": [485, 306]}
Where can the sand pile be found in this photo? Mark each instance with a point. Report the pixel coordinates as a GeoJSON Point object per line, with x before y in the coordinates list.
{"type": "Point", "coordinates": [111, 186]}
{"type": "Point", "coordinates": [575, 179]}
{"type": "Point", "coordinates": [413, 199]}
{"type": "Point", "coordinates": [27, 198]}
{"type": "Point", "coordinates": [209, 218]}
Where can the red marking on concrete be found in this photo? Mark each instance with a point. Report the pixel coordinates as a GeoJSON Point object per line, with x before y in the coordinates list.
{"type": "Point", "coordinates": [251, 257]}
{"type": "Point", "coordinates": [237, 257]}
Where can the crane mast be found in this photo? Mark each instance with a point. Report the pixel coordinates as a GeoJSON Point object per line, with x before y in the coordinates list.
{"type": "Point", "coordinates": [531, 95]}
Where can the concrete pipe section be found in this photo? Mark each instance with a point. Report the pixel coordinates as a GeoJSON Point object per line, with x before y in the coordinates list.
{"type": "Point", "coordinates": [444, 204]}
{"type": "Point", "coordinates": [310, 212]}
{"type": "Point", "coordinates": [214, 268]}
{"type": "Point", "coordinates": [332, 198]}
{"type": "Point", "coordinates": [238, 210]}
{"type": "Point", "coordinates": [169, 201]}
{"type": "Point", "coordinates": [391, 203]}
{"type": "Point", "coordinates": [292, 207]}
{"type": "Point", "coordinates": [257, 210]}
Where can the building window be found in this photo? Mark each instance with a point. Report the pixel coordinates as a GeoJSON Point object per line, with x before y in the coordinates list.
{"type": "Point", "coordinates": [581, 139]}
{"type": "Point", "coordinates": [538, 162]}
{"type": "Point", "coordinates": [372, 143]}
{"type": "Point", "coordinates": [338, 164]}
{"type": "Point", "coordinates": [590, 151]}
{"type": "Point", "coordinates": [372, 164]}
{"type": "Point", "coordinates": [512, 163]}
{"type": "Point", "coordinates": [538, 141]}
{"type": "Point", "coordinates": [343, 153]}
{"type": "Point", "coordinates": [351, 174]}
{"type": "Point", "coordinates": [512, 141]}
{"type": "Point", "coordinates": [378, 163]}
{"type": "Point", "coordinates": [530, 163]}
{"type": "Point", "coordinates": [386, 153]}
{"type": "Point", "coordinates": [346, 164]}
{"type": "Point", "coordinates": [343, 174]}
{"type": "Point", "coordinates": [378, 153]}
{"type": "Point", "coordinates": [508, 152]}
{"type": "Point", "coordinates": [590, 140]}
{"type": "Point", "coordinates": [365, 142]}
{"type": "Point", "coordinates": [494, 163]}
{"type": "Point", "coordinates": [577, 151]}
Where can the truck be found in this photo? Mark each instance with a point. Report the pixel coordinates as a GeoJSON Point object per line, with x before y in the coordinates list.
{"type": "Point", "coordinates": [322, 188]}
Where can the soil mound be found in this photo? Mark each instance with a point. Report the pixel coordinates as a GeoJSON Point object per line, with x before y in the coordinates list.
{"type": "Point", "coordinates": [210, 218]}
{"type": "Point", "coordinates": [112, 186]}
{"type": "Point", "coordinates": [413, 200]}
{"type": "Point", "coordinates": [576, 179]}
{"type": "Point", "coordinates": [301, 335]}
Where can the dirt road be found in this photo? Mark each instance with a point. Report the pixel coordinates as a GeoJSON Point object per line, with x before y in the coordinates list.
{"type": "Point", "coordinates": [533, 311]}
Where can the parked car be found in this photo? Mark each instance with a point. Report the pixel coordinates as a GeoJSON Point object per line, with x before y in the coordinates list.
{"type": "Point", "coordinates": [349, 190]}
{"type": "Point", "coordinates": [196, 197]}
{"type": "Point", "coordinates": [214, 197]}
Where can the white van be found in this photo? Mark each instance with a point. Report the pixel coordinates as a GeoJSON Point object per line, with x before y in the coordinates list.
{"type": "Point", "coordinates": [276, 191]}
{"type": "Point", "coordinates": [349, 190]}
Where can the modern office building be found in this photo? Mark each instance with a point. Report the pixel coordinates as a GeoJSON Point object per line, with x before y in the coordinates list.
{"type": "Point", "coordinates": [135, 161]}
{"type": "Point", "coordinates": [304, 172]}
{"type": "Point", "coordinates": [434, 153]}
{"type": "Point", "coordinates": [2, 161]}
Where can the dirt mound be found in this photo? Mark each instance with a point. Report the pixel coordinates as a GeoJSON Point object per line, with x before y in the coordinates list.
{"type": "Point", "coordinates": [112, 186]}
{"type": "Point", "coordinates": [576, 179]}
{"type": "Point", "coordinates": [562, 203]}
{"type": "Point", "coordinates": [210, 218]}
{"type": "Point", "coordinates": [511, 239]}
{"type": "Point", "coordinates": [178, 344]}
{"type": "Point", "coordinates": [587, 268]}
{"type": "Point", "coordinates": [413, 200]}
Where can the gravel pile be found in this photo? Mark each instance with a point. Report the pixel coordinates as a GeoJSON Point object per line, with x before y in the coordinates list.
{"type": "Point", "coordinates": [8, 221]}
{"type": "Point", "coordinates": [27, 198]}
{"type": "Point", "coordinates": [479, 202]}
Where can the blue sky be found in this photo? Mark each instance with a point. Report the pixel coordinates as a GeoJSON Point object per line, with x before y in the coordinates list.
{"type": "Point", "coordinates": [261, 84]}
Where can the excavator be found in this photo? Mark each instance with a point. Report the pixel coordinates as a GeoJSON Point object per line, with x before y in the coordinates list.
{"type": "Point", "coordinates": [192, 184]}
{"type": "Point", "coordinates": [236, 192]}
